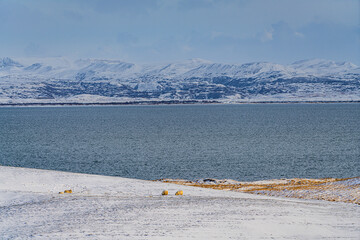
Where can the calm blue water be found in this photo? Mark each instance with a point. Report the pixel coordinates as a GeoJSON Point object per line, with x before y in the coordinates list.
{"type": "Point", "coordinates": [243, 142]}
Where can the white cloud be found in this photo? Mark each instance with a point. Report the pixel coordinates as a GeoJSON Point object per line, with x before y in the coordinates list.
{"type": "Point", "coordinates": [299, 34]}
{"type": "Point", "coordinates": [187, 48]}
{"type": "Point", "coordinates": [267, 35]}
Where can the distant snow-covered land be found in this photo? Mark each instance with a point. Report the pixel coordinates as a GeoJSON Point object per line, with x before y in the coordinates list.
{"type": "Point", "coordinates": [58, 80]}
{"type": "Point", "coordinates": [102, 207]}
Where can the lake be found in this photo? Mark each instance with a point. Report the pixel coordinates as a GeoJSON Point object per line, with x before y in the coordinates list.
{"type": "Point", "coordinates": [242, 142]}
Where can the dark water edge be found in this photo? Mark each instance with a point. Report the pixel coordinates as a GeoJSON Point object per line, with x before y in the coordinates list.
{"type": "Point", "coordinates": [236, 141]}
{"type": "Point", "coordinates": [167, 102]}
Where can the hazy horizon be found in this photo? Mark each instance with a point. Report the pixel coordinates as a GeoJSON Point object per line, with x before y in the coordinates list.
{"type": "Point", "coordinates": [157, 31]}
{"type": "Point", "coordinates": [56, 59]}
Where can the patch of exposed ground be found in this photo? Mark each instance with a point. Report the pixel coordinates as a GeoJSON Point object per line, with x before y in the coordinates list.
{"type": "Point", "coordinates": [329, 189]}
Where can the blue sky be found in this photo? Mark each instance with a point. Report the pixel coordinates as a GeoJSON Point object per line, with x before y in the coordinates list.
{"type": "Point", "coordinates": [145, 31]}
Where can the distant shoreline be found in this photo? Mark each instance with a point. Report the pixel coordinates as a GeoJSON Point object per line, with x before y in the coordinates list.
{"type": "Point", "coordinates": [169, 102]}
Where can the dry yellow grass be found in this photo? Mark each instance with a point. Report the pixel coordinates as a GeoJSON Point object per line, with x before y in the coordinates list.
{"type": "Point", "coordinates": [329, 189]}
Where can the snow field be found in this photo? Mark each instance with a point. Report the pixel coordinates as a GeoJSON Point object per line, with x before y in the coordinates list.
{"type": "Point", "coordinates": [102, 207]}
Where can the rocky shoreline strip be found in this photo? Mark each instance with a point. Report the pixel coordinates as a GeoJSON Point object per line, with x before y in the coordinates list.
{"type": "Point", "coordinates": [329, 189]}
{"type": "Point", "coordinates": [164, 102]}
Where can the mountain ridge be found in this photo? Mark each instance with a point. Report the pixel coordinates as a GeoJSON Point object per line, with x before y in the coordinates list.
{"type": "Point", "coordinates": [104, 80]}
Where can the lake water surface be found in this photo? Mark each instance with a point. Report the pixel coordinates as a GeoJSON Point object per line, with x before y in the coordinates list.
{"type": "Point", "coordinates": [242, 142]}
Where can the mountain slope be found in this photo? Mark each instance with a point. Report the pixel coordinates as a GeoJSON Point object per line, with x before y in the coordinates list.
{"type": "Point", "coordinates": [95, 80]}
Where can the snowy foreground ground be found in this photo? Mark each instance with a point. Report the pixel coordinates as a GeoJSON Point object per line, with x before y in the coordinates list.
{"type": "Point", "coordinates": [102, 207]}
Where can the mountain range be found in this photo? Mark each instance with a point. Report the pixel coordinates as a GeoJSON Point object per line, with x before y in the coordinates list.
{"type": "Point", "coordinates": [59, 80]}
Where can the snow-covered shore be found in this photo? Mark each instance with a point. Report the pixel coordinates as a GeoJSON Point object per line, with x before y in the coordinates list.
{"type": "Point", "coordinates": [103, 207]}
{"type": "Point", "coordinates": [329, 189]}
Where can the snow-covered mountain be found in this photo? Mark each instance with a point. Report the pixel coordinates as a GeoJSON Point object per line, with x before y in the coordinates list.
{"type": "Point", "coordinates": [319, 66]}
{"type": "Point", "coordinates": [55, 80]}
{"type": "Point", "coordinates": [6, 63]}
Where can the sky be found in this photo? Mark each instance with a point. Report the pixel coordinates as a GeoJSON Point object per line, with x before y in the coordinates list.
{"type": "Point", "coordinates": [152, 31]}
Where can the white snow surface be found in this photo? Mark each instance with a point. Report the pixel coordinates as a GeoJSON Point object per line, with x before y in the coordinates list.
{"type": "Point", "coordinates": [60, 67]}
{"type": "Point", "coordinates": [60, 80]}
{"type": "Point", "coordinates": [103, 207]}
